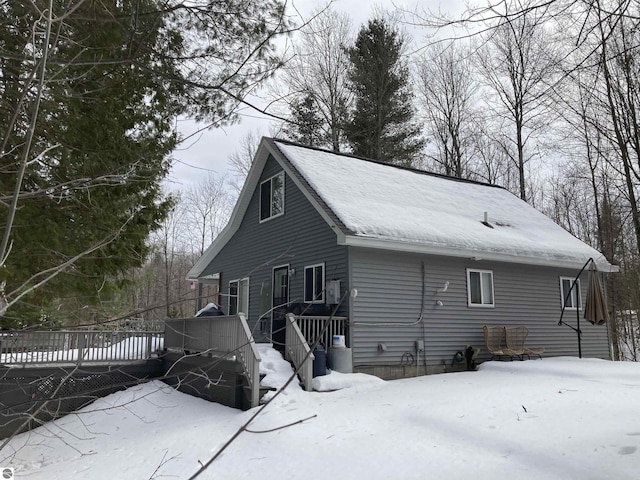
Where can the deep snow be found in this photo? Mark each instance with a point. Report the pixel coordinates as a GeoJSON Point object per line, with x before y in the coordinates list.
{"type": "Point", "coordinates": [556, 418]}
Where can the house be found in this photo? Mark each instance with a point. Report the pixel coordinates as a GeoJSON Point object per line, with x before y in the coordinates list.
{"type": "Point", "coordinates": [431, 258]}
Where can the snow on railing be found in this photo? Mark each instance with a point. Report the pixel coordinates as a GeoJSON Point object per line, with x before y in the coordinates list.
{"type": "Point", "coordinates": [19, 347]}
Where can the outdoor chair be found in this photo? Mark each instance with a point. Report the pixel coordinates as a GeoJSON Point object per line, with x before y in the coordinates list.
{"type": "Point", "coordinates": [493, 337]}
{"type": "Point", "coordinates": [516, 338]}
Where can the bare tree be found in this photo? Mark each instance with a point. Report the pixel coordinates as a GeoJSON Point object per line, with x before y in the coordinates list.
{"type": "Point", "coordinates": [241, 160]}
{"type": "Point", "coordinates": [519, 64]}
{"type": "Point", "coordinates": [207, 208]}
{"type": "Point", "coordinates": [319, 70]}
{"type": "Point", "coordinates": [199, 214]}
{"type": "Point", "coordinates": [446, 85]}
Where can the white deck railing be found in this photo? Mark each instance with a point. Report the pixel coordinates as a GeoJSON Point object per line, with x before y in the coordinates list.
{"type": "Point", "coordinates": [302, 333]}
{"type": "Point", "coordinates": [19, 347]}
{"type": "Point", "coordinates": [297, 352]}
{"type": "Point", "coordinates": [227, 336]}
{"type": "Point", "coordinates": [321, 327]}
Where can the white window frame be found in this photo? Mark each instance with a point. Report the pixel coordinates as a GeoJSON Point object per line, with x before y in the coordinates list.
{"type": "Point", "coordinates": [483, 303]}
{"type": "Point", "coordinates": [320, 298]}
{"type": "Point", "coordinates": [270, 181]}
{"type": "Point", "coordinates": [576, 294]}
{"type": "Point", "coordinates": [241, 297]}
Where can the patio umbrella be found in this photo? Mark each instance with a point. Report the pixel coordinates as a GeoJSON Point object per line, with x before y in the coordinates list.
{"type": "Point", "coordinates": [595, 309]}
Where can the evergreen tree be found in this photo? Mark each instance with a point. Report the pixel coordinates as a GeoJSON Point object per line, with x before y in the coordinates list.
{"type": "Point", "coordinates": [382, 125]}
{"type": "Point", "coordinates": [306, 125]}
{"type": "Point", "coordinates": [89, 94]}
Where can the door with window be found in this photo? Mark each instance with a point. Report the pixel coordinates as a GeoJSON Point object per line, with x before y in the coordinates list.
{"type": "Point", "coordinates": [279, 305]}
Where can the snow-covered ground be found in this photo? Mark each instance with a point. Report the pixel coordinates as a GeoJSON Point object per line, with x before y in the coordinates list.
{"type": "Point", "coordinates": [556, 418]}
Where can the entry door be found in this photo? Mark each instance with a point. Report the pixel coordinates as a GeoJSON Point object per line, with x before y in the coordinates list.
{"type": "Point", "coordinates": [279, 305]}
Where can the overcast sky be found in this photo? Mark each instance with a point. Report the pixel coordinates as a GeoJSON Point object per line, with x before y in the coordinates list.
{"type": "Point", "coordinates": [209, 150]}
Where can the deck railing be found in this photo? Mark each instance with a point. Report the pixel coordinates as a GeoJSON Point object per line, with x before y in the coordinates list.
{"type": "Point", "coordinates": [19, 347]}
{"type": "Point", "coordinates": [314, 327]}
{"type": "Point", "coordinates": [227, 336]}
{"type": "Point", "coordinates": [297, 352]}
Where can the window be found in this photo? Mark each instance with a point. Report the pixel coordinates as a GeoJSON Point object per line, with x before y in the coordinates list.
{"type": "Point", "coordinates": [571, 300]}
{"type": "Point", "coordinates": [239, 297]}
{"type": "Point", "coordinates": [314, 283]}
{"type": "Point", "coordinates": [272, 197]}
{"type": "Point", "coordinates": [480, 288]}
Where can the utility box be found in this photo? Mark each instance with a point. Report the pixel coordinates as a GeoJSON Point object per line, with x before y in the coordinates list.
{"type": "Point", "coordinates": [332, 292]}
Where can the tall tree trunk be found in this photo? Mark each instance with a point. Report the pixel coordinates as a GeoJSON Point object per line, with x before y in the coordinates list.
{"type": "Point", "coordinates": [621, 142]}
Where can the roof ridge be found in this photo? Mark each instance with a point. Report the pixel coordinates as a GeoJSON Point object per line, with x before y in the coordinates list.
{"type": "Point", "coordinates": [380, 162]}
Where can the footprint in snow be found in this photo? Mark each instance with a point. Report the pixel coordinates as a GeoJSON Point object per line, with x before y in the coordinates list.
{"type": "Point", "coordinates": [627, 450]}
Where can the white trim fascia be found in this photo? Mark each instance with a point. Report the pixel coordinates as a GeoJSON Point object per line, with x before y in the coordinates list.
{"type": "Point", "coordinates": [477, 255]}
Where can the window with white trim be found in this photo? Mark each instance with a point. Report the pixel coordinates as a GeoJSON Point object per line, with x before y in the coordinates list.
{"type": "Point", "coordinates": [480, 288]}
{"type": "Point", "coordinates": [272, 197]}
{"type": "Point", "coordinates": [573, 300]}
{"type": "Point", "coordinates": [239, 296]}
{"type": "Point", "coordinates": [314, 283]}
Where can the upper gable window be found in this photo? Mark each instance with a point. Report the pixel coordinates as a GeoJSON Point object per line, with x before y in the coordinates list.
{"type": "Point", "coordinates": [272, 197]}
{"type": "Point", "coordinates": [570, 298]}
{"type": "Point", "coordinates": [480, 288]}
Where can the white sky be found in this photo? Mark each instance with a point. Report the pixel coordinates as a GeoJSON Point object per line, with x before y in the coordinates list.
{"type": "Point", "coordinates": [209, 151]}
{"type": "Point", "coordinates": [549, 419]}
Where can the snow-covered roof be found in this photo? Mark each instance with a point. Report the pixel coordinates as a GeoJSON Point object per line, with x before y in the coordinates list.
{"type": "Point", "coordinates": [376, 205]}
{"type": "Point", "coordinates": [384, 206]}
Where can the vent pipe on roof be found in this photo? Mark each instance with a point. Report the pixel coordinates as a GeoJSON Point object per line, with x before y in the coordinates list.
{"type": "Point", "coordinates": [485, 222]}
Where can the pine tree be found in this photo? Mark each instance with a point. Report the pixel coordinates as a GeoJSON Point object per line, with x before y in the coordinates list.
{"type": "Point", "coordinates": [382, 125]}
{"type": "Point", "coordinates": [89, 94]}
{"type": "Point", "coordinates": [306, 125]}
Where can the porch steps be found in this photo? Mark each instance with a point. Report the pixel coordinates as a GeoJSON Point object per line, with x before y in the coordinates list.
{"type": "Point", "coordinates": [246, 389]}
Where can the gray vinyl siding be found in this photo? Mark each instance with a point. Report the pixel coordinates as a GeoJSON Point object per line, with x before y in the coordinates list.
{"type": "Point", "coordinates": [299, 238]}
{"type": "Point", "coordinates": [390, 292]}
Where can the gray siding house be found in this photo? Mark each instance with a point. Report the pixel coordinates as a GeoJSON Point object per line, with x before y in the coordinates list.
{"type": "Point", "coordinates": [416, 262]}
